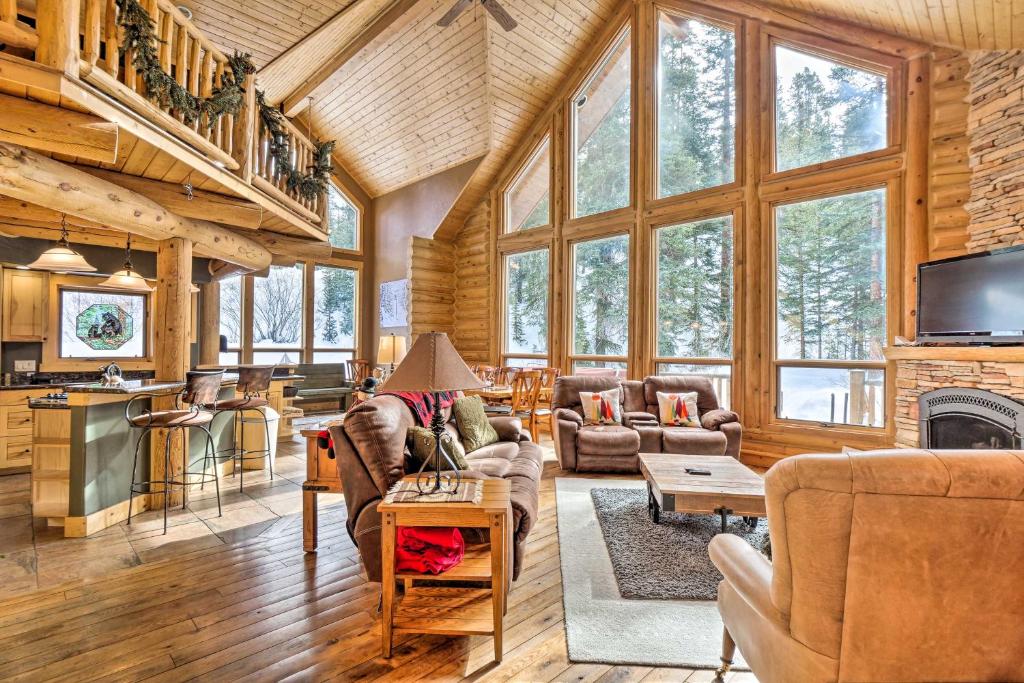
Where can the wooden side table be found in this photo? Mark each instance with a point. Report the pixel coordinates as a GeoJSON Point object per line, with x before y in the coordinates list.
{"type": "Point", "coordinates": [443, 610]}
{"type": "Point", "coordinates": [322, 476]}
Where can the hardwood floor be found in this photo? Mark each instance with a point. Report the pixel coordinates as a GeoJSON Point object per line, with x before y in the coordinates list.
{"type": "Point", "coordinates": [259, 609]}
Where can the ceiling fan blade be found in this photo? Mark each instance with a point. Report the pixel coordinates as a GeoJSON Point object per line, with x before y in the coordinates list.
{"type": "Point", "coordinates": [503, 18]}
{"type": "Point", "coordinates": [453, 14]}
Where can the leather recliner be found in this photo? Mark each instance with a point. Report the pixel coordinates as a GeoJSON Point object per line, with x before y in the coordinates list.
{"type": "Point", "coordinates": [899, 565]}
{"type": "Point", "coordinates": [614, 448]}
{"type": "Point", "coordinates": [371, 451]}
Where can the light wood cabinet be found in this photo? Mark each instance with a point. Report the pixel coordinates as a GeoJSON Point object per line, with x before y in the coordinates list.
{"type": "Point", "coordinates": [24, 305]}
{"type": "Point", "coordinates": [16, 421]}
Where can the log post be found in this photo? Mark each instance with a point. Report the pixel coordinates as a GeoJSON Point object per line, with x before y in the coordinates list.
{"type": "Point", "coordinates": [209, 323]}
{"type": "Point", "coordinates": [171, 347]}
{"type": "Point", "coordinates": [57, 25]}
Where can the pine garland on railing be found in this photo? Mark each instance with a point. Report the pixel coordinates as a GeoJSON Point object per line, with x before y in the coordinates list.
{"type": "Point", "coordinates": [228, 98]}
{"type": "Point", "coordinates": [308, 185]}
{"type": "Point", "coordinates": [140, 37]}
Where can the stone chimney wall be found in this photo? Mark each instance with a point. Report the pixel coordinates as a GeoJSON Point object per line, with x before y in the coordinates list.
{"type": "Point", "coordinates": [995, 127]}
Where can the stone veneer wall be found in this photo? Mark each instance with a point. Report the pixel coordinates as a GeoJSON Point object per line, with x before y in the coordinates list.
{"type": "Point", "coordinates": [995, 127]}
{"type": "Point", "coordinates": [916, 377]}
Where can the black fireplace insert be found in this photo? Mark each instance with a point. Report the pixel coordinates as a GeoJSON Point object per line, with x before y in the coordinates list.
{"type": "Point", "coordinates": [970, 418]}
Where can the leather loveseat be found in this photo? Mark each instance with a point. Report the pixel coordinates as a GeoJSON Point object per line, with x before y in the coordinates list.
{"type": "Point", "coordinates": [614, 448]}
{"type": "Point", "coordinates": [371, 451]}
{"type": "Point", "coordinates": [899, 565]}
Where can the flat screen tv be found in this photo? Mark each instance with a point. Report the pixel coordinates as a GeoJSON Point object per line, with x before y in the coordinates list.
{"type": "Point", "coordinates": [976, 299]}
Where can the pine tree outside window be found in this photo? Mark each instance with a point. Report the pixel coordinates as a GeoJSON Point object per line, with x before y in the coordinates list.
{"type": "Point", "coordinates": [696, 105]}
{"type": "Point", "coordinates": [830, 308]}
{"type": "Point", "coordinates": [600, 305]}
{"type": "Point", "coordinates": [526, 309]}
{"type": "Point", "coordinates": [528, 198]}
{"type": "Point", "coordinates": [335, 314]}
{"type": "Point", "coordinates": [342, 220]}
{"type": "Point", "coordinates": [601, 126]}
{"type": "Point", "coordinates": [826, 110]}
{"type": "Point", "coordinates": [695, 295]}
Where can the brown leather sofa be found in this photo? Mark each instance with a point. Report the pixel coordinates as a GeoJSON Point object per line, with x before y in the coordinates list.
{"type": "Point", "coordinates": [371, 451]}
{"type": "Point", "coordinates": [614, 448]}
{"type": "Point", "coordinates": [886, 566]}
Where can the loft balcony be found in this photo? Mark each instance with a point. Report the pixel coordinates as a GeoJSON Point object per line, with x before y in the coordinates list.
{"type": "Point", "coordinates": [69, 54]}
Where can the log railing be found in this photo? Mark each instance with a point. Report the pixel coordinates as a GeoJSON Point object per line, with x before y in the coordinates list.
{"type": "Point", "coordinates": [192, 60]}
{"type": "Point", "coordinates": [270, 179]}
{"type": "Point", "coordinates": [14, 32]}
{"type": "Point", "coordinates": [239, 143]}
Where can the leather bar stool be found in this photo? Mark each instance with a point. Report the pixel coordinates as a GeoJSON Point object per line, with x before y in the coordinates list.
{"type": "Point", "coordinates": [200, 392]}
{"type": "Point", "coordinates": [254, 385]}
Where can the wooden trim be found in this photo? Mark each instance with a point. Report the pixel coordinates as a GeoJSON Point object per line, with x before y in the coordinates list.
{"type": "Point", "coordinates": [80, 527]}
{"type": "Point", "coordinates": [52, 362]}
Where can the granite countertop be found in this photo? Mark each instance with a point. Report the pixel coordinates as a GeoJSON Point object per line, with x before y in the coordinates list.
{"type": "Point", "coordinates": [22, 387]}
{"type": "Point", "coordinates": [138, 386]}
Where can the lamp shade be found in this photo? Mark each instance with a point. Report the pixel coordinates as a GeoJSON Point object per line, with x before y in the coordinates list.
{"type": "Point", "coordinates": [432, 365]}
{"type": "Point", "coordinates": [127, 280]}
{"type": "Point", "coordinates": [62, 258]}
{"type": "Point", "coordinates": [391, 350]}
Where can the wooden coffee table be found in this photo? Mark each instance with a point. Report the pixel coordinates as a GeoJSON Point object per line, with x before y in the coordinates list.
{"type": "Point", "coordinates": [731, 489]}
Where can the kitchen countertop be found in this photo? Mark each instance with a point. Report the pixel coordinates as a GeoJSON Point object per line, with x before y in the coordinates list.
{"type": "Point", "coordinates": [137, 386]}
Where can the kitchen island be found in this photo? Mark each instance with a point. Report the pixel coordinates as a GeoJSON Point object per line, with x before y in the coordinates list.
{"type": "Point", "coordinates": [82, 450]}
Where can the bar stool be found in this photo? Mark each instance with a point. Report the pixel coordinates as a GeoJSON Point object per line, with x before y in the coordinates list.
{"type": "Point", "coordinates": [254, 385]}
{"type": "Point", "coordinates": [200, 391]}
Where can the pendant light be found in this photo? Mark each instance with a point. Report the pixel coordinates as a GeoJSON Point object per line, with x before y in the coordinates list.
{"type": "Point", "coordinates": [127, 278]}
{"type": "Point", "coordinates": [61, 257]}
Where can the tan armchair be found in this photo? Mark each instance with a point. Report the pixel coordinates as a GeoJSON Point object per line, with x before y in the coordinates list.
{"type": "Point", "coordinates": [903, 565]}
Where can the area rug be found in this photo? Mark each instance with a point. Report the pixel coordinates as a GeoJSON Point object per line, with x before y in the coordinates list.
{"type": "Point", "coordinates": [600, 625]}
{"type": "Point", "coordinates": [666, 561]}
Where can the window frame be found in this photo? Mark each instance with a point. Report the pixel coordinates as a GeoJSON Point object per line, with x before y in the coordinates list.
{"type": "Point", "coordinates": [310, 349]}
{"type": "Point", "coordinates": [725, 21]}
{"type": "Point", "coordinates": [682, 218]}
{"type": "Point", "coordinates": [505, 194]}
{"type": "Point", "coordinates": [860, 58]}
{"type": "Point", "coordinates": [569, 324]}
{"type": "Point", "coordinates": [625, 33]}
{"type": "Point", "coordinates": [360, 213]}
{"type": "Point", "coordinates": [893, 305]}
{"type": "Point", "coordinates": [503, 353]}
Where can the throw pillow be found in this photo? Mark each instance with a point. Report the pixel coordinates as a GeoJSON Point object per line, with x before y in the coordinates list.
{"type": "Point", "coordinates": [601, 408]}
{"type": "Point", "coordinates": [678, 410]}
{"type": "Point", "coordinates": [474, 427]}
{"type": "Point", "coordinates": [421, 447]}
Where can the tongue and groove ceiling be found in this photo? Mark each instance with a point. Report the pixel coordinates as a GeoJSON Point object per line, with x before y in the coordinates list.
{"type": "Point", "coordinates": [409, 99]}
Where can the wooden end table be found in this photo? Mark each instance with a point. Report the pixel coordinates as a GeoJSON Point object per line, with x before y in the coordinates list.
{"type": "Point", "coordinates": [443, 610]}
{"type": "Point", "coordinates": [322, 476]}
{"type": "Point", "coordinates": [731, 489]}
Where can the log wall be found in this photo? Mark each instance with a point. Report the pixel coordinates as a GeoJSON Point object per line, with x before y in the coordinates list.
{"type": "Point", "coordinates": [432, 287]}
{"type": "Point", "coordinates": [949, 173]}
{"type": "Point", "coordinates": [475, 294]}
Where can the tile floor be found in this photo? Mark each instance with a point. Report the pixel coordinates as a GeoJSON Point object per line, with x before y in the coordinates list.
{"type": "Point", "coordinates": [34, 556]}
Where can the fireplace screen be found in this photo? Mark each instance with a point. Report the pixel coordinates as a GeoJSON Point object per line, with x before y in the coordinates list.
{"type": "Point", "coordinates": [970, 418]}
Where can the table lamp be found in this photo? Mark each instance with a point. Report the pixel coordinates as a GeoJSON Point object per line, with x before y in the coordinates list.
{"type": "Point", "coordinates": [390, 351]}
{"type": "Point", "coordinates": [432, 366]}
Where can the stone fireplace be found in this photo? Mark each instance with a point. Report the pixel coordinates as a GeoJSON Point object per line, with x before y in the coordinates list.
{"type": "Point", "coordinates": [970, 418]}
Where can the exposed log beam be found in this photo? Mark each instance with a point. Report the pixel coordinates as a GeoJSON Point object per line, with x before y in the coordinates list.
{"type": "Point", "coordinates": [32, 177]}
{"type": "Point", "coordinates": [209, 206]}
{"type": "Point", "coordinates": [297, 249]}
{"type": "Point", "coordinates": [53, 129]}
{"type": "Point", "coordinates": [51, 232]}
{"type": "Point", "coordinates": [296, 100]}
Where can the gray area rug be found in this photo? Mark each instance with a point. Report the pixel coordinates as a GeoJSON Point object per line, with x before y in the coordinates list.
{"type": "Point", "coordinates": [602, 626]}
{"type": "Point", "coordinates": [666, 561]}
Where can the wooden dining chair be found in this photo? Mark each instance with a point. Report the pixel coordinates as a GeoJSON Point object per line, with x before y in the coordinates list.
{"type": "Point", "coordinates": [547, 390]}
{"type": "Point", "coordinates": [358, 370]}
{"type": "Point", "coordinates": [526, 387]}
{"type": "Point", "coordinates": [505, 376]}
{"type": "Point", "coordinates": [485, 373]}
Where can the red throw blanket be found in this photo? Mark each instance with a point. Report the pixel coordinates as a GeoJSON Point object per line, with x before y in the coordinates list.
{"type": "Point", "coordinates": [428, 550]}
{"type": "Point", "coordinates": [422, 404]}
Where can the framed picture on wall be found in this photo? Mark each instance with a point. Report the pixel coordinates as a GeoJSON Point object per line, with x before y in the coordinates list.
{"type": "Point", "coordinates": [102, 325]}
{"type": "Point", "coordinates": [394, 303]}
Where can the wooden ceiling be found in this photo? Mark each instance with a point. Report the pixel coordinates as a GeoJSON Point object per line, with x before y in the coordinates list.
{"type": "Point", "coordinates": [965, 24]}
{"type": "Point", "coordinates": [263, 28]}
{"type": "Point", "coordinates": [417, 99]}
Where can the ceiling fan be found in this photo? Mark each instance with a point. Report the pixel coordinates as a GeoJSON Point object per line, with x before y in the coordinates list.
{"type": "Point", "coordinates": [503, 18]}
